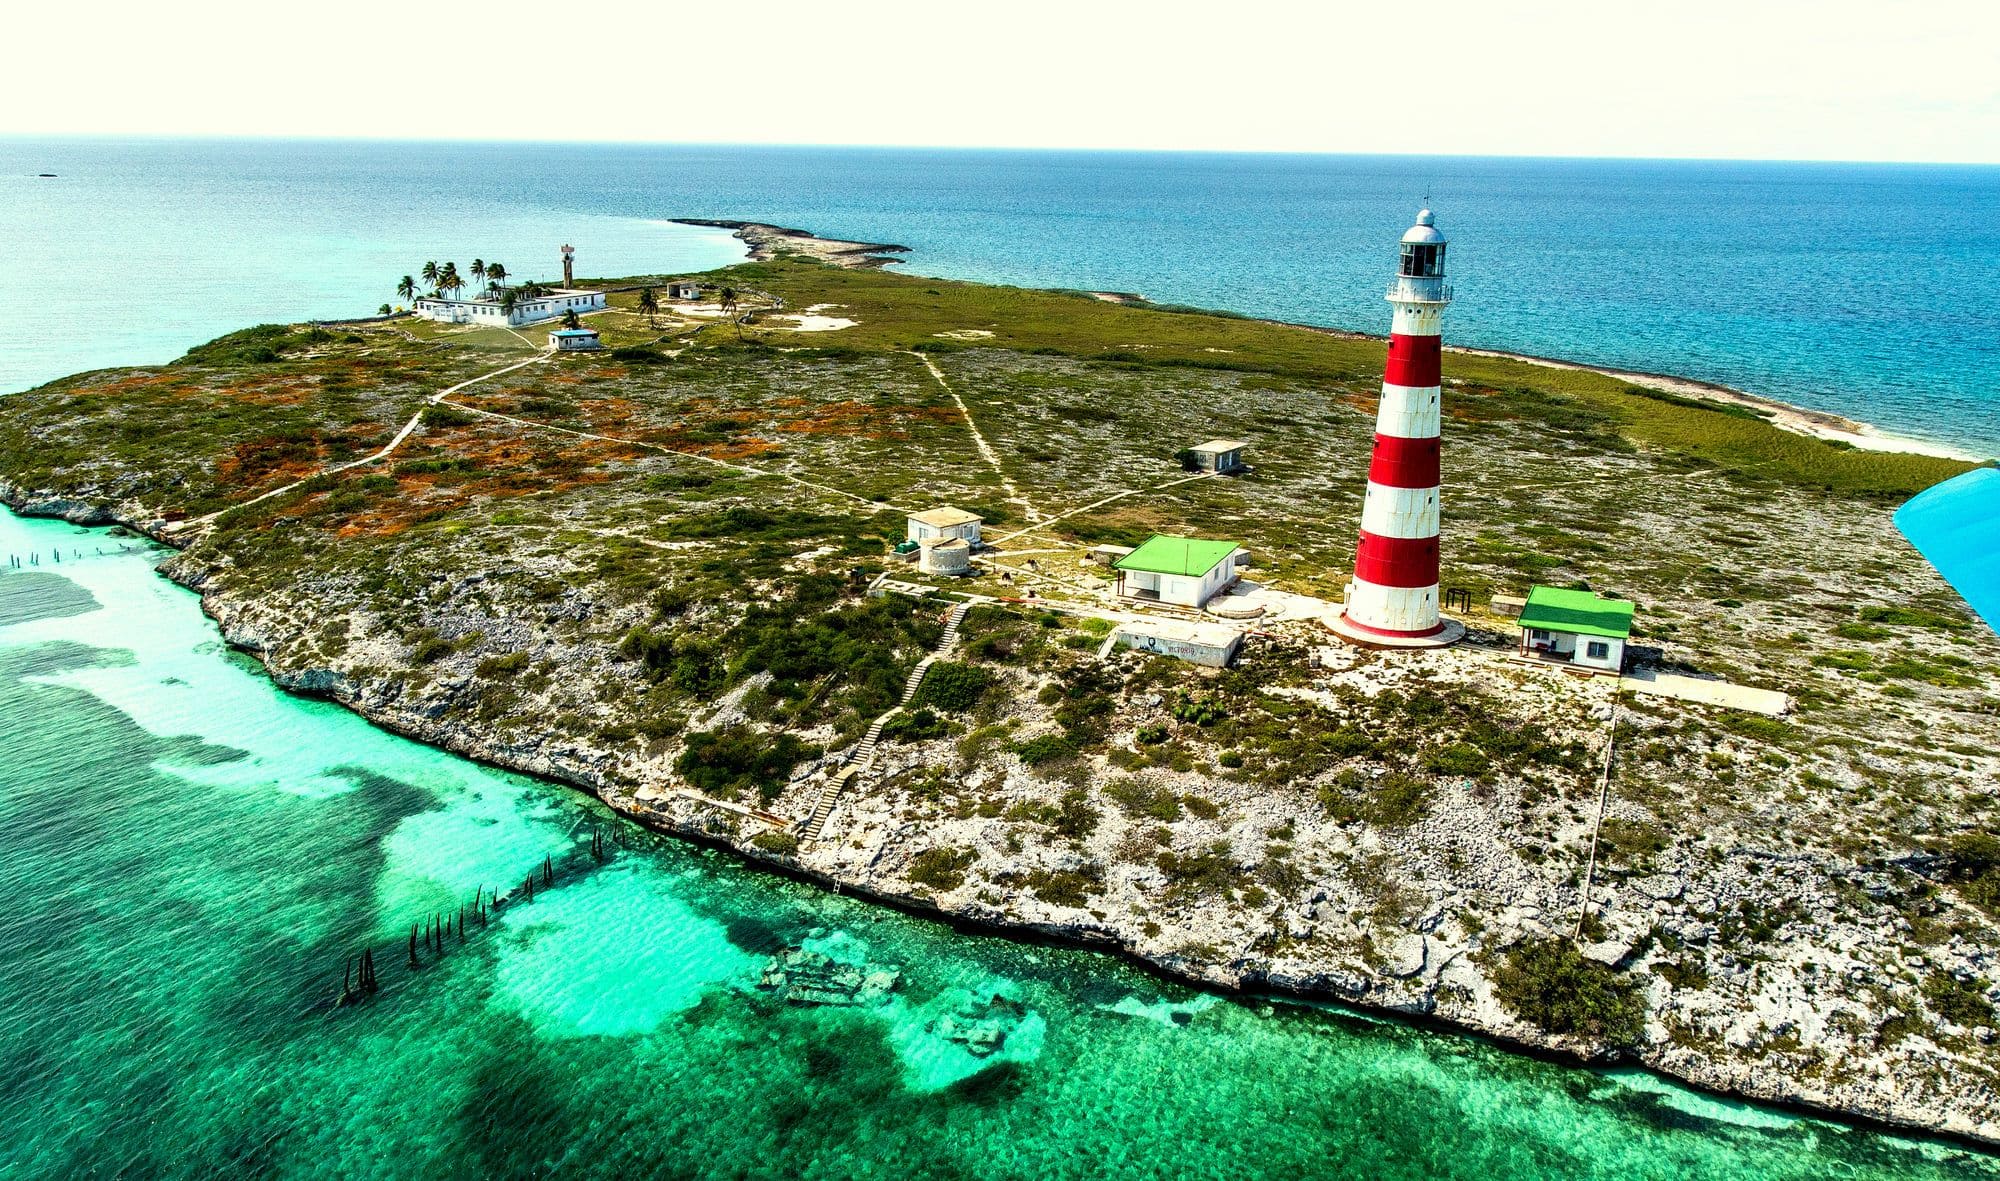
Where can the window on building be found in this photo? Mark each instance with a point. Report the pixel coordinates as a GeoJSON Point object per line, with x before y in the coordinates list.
{"type": "Point", "coordinates": [1598, 649]}
{"type": "Point", "coordinates": [1538, 634]}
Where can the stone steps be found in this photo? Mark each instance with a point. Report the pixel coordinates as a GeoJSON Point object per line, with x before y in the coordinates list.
{"type": "Point", "coordinates": [862, 757]}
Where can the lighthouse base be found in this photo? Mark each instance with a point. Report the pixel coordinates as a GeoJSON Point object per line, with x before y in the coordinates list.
{"type": "Point", "coordinates": [1449, 632]}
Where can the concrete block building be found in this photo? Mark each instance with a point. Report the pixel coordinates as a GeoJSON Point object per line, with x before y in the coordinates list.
{"type": "Point", "coordinates": [1221, 456]}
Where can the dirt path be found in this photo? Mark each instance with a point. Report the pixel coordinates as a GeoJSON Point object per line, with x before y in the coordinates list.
{"type": "Point", "coordinates": [389, 449]}
{"type": "Point", "coordinates": [1042, 524]}
{"type": "Point", "coordinates": [991, 456]}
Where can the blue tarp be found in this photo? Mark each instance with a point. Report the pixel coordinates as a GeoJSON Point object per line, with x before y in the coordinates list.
{"type": "Point", "coordinates": [1956, 525]}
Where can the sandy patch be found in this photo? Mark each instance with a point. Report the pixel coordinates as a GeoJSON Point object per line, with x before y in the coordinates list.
{"type": "Point", "coordinates": [965, 334]}
{"type": "Point", "coordinates": [807, 322]}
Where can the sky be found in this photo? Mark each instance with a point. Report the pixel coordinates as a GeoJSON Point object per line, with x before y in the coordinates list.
{"type": "Point", "coordinates": [1758, 79]}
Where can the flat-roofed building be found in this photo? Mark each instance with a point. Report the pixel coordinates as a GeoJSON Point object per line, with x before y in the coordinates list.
{"type": "Point", "coordinates": [491, 309]}
{"type": "Point", "coordinates": [1213, 645]}
{"type": "Point", "coordinates": [574, 340]}
{"type": "Point", "coordinates": [939, 524]}
{"type": "Point", "coordinates": [1221, 456]}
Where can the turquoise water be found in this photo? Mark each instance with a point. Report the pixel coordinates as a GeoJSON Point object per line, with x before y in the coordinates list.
{"type": "Point", "coordinates": [188, 857]}
{"type": "Point", "coordinates": [1867, 290]}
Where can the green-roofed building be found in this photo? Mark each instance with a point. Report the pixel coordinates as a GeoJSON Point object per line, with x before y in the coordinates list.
{"type": "Point", "coordinates": [1185, 571]}
{"type": "Point", "coordinates": [1576, 627]}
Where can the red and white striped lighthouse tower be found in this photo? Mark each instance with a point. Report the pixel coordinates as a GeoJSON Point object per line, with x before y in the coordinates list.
{"type": "Point", "coordinates": [1392, 600]}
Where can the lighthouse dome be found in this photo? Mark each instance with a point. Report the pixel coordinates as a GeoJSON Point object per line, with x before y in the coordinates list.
{"type": "Point", "coordinates": [1425, 231]}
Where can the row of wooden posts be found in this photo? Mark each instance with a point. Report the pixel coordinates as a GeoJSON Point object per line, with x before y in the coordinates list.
{"type": "Point", "coordinates": [358, 979]}
{"type": "Point", "coordinates": [35, 558]}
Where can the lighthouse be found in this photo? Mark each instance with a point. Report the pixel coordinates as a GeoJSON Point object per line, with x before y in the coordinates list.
{"type": "Point", "coordinates": [1392, 600]}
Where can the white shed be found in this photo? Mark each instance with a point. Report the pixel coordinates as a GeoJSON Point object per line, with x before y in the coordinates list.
{"type": "Point", "coordinates": [1218, 455]}
{"type": "Point", "coordinates": [942, 523]}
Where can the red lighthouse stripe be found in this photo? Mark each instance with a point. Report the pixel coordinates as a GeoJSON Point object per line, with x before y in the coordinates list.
{"type": "Point", "coordinates": [1414, 360]}
{"type": "Point", "coordinates": [1397, 561]}
{"type": "Point", "coordinates": [1405, 463]}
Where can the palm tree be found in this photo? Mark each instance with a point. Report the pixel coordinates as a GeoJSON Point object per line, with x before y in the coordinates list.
{"type": "Point", "coordinates": [729, 299]}
{"type": "Point", "coordinates": [570, 320]}
{"type": "Point", "coordinates": [509, 299]}
{"type": "Point", "coordinates": [649, 303]}
{"type": "Point", "coordinates": [496, 274]}
{"type": "Point", "coordinates": [448, 278]}
{"type": "Point", "coordinates": [478, 269]}
{"type": "Point", "coordinates": [385, 310]}
{"type": "Point", "coordinates": [430, 274]}
{"type": "Point", "coordinates": [407, 288]}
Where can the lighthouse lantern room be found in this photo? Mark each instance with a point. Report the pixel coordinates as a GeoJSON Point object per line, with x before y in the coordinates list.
{"type": "Point", "coordinates": [1392, 600]}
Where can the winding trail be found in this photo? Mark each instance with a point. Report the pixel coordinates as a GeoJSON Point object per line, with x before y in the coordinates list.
{"type": "Point", "coordinates": [207, 519]}
{"type": "Point", "coordinates": [991, 456]}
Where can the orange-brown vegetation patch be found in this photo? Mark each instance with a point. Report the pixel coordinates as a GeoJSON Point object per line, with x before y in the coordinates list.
{"type": "Point", "coordinates": [734, 449]}
{"type": "Point", "coordinates": [862, 420]}
{"type": "Point", "coordinates": [163, 383]}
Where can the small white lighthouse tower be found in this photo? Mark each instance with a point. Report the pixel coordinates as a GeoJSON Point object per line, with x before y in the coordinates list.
{"type": "Point", "coordinates": [569, 265]}
{"type": "Point", "coordinates": [1392, 601]}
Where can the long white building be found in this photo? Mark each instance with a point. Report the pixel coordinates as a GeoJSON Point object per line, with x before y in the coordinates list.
{"type": "Point", "coordinates": [486, 309]}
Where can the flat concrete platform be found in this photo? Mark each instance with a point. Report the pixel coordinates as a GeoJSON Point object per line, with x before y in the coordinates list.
{"type": "Point", "coordinates": [1453, 632]}
{"type": "Point", "coordinates": [1769, 702]}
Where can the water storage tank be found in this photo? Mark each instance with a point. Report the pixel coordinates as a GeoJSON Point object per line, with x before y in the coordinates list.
{"type": "Point", "coordinates": [947, 556]}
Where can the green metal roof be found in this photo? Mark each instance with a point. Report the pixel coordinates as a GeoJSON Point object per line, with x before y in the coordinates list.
{"type": "Point", "coordinates": [1189, 557]}
{"type": "Point", "coordinates": [1578, 612]}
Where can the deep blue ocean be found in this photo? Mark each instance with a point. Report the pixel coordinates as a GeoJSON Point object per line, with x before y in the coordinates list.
{"type": "Point", "coordinates": [1867, 290]}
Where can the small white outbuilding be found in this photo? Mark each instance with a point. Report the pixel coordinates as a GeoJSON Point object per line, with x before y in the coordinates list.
{"type": "Point", "coordinates": [946, 523]}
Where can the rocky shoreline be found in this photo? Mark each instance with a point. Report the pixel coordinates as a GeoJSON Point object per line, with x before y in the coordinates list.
{"type": "Point", "coordinates": [767, 242]}
{"type": "Point", "coordinates": [1430, 981]}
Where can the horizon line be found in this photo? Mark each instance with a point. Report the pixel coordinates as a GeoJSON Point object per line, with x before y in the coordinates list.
{"type": "Point", "coordinates": [477, 141]}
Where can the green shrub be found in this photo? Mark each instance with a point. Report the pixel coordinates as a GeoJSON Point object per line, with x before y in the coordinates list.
{"type": "Point", "coordinates": [775, 841]}
{"type": "Point", "coordinates": [724, 762]}
{"type": "Point", "coordinates": [1046, 749]}
{"type": "Point", "coordinates": [941, 869]}
{"type": "Point", "coordinates": [915, 726]}
{"type": "Point", "coordinates": [502, 666]}
{"type": "Point", "coordinates": [1211, 871]}
{"type": "Point", "coordinates": [1457, 759]}
{"type": "Point", "coordinates": [1205, 710]}
{"type": "Point", "coordinates": [1961, 1002]}
{"type": "Point", "coordinates": [1141, 798]}
{"type": "Point", "coordinates": [952, 686]}
{"type": "Point", "coordinates": [1910, 617]}
{"type": "Point", "coordinates": [1972, 863]}
{"type": "Point", "coordinates": [1396, 800]}
{"type": "Point", "coordinates": [1551, 984]}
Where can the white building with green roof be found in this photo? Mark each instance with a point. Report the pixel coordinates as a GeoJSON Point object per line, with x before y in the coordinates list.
{"type": "Point", "coordinates": [1184, 571]}
{"type": "Point", "coordinates": [1576, 627]}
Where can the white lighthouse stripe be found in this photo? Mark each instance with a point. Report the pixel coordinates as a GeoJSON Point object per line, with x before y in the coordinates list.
{"type": "Point", "coordinates": [1392, 608]}
{"type": "Point", "coordinates": [1418, 319]}
{"type": "Point", "coordinates": [1408, 412]}
{"type": "Point", "coordinates": [1400, 512]}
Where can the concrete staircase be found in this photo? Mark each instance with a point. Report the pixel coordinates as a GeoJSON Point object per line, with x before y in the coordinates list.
{"type": "Point", "coordinates": [862, 757]}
